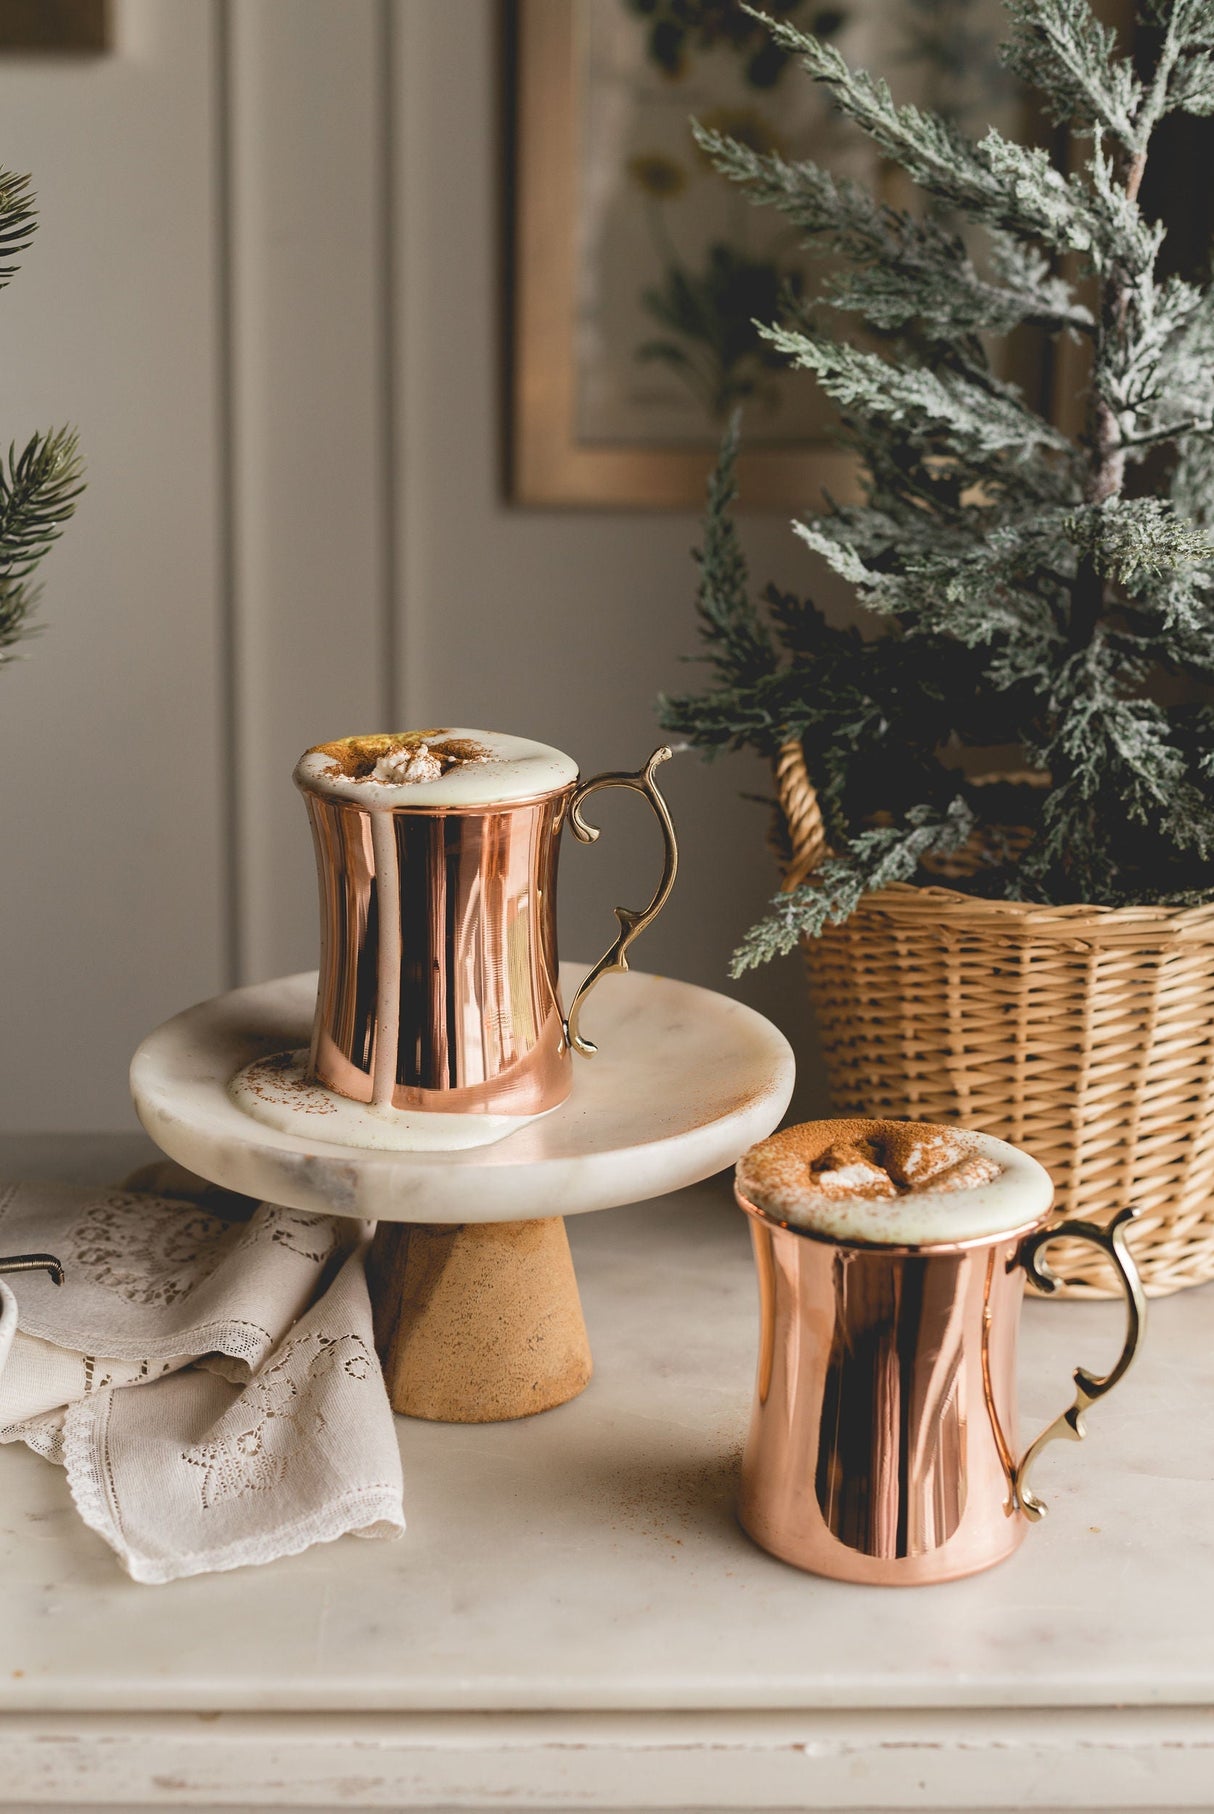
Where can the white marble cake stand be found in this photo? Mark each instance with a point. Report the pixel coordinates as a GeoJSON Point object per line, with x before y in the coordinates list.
{"type": "Point", "coordinates": [477, 1310]}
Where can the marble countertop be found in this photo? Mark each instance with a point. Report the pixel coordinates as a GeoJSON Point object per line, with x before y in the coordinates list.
{"type": "Point", "coordinates": [588, 1558]}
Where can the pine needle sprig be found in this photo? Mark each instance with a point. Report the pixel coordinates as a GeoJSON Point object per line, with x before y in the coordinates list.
{"type": "Point", "coordinates": [38, 491]}
{"type": "Point", "coordinates": [735, 638]}
{"type": "Point", "coordinates": [995, 181]}
{"type": "Point", "coordinates": [907, 267]}
{"type": "Point", "coordinates": [1184, 75]}
{"type": "Point", "coordinates": [40, 485]}
{"type": "Point", "coordinates": [885, 854]}
{"type": "Point", "coordinates": [1132, 540]}
{"type": "Point", "coordinates": [927, 404]}
{"type": "Point", "coordinates": [1060, 48]}
{"type": "Point", "coordinates": [18, 222]}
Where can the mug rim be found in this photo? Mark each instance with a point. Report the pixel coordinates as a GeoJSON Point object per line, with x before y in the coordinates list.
{"type": "Point", "coordinates": [965, 1245]}
{"type": "Point", "coordinates": [461, 810]}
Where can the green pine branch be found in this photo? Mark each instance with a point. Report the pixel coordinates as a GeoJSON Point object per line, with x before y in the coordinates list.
{"type": "Point", "coordinates": [734, 636]}
{"type": "Point", "coordinates": [1061, 49]}
{"type": "Point", "coordinates": [995, 181]}
{"type": "Point", "coordinates": [887, 853]}
{"type": "Point", "coordinates": [1132, 540]}
{"type": "Point", "coordinates": [979, 421]}
{"type": "Point", "coordinates": [908, 268]}
{"type": "Point", "coordinates": [1184, 74]}
{"type": "Point", "coordinates": [18, 222]}
{"type": "Point", "coordinates": [38, 491]}
{"type": "Point", "coordinates": [40, 485]}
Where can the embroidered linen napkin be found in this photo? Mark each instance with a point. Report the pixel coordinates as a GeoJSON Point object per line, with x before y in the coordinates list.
{"type": "Point", "coordinates": [210, 1384]}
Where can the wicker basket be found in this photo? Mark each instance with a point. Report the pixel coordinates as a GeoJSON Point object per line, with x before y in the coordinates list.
{"type": "Point", "coordinates": [1083, 1034]}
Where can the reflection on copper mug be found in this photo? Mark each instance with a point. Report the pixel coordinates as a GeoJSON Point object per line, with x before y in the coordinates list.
{"type": "Point", "coordinates": [882, 1445]}
{"type": "Point", "coordinates": [438, 975]}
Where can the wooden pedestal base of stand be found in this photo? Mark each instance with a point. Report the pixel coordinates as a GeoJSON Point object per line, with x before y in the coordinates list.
{"type": "Point", "coordinates": [478, 1322]}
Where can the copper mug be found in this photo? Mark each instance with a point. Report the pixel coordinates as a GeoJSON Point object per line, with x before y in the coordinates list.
{"type": "Point", "coordinates": [883, 1439]}
{"type": "Point", "coordinates": [438, 987]}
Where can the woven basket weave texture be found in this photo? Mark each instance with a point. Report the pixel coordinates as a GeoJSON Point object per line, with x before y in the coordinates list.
{"type": "Point", "coordinates": [1084, 1035]}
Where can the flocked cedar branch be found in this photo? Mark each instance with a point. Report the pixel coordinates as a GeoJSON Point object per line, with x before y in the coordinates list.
{"type": "Point", "coordinates": [884, 854]}
{"type": "Point", "coordinates": [1028, 593]}
{"type": "Point", "coordinates": [39, 484]}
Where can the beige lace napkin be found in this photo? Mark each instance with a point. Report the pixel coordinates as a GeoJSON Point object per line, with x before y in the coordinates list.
{"type": "Point", "coordinates": [210, 1384]}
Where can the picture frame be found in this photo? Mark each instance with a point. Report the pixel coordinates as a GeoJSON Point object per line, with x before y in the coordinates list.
{"type": "Point", "coordinates": [552, 461]}
{"type": "Point", "coordinates": [55, 27]}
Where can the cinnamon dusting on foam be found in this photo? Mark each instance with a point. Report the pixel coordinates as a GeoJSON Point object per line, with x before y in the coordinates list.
{"type": "Point", "coordinates": [862, 1177]}
{"type": "Point", "coordinates": [400, 757]}
{"type": "Point", "coordinates": [449, 769]}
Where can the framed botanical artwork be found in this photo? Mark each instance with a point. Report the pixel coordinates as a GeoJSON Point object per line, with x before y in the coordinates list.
{"type": "Point", "coordinates": [639, 272]}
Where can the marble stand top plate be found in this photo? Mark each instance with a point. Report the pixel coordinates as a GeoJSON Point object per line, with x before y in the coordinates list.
{"type": "Point", "coordinates": [683, 1082]}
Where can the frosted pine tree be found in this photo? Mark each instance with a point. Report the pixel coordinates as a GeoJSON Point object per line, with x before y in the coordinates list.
{"type": "Point", "coordinates": [1033, 591]}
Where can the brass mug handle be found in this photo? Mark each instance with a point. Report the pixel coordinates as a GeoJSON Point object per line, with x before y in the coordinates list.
{"type": "Point", "coordinates": [1088, 1386]}
{"type": "Point", "coordinates": [33, 1262]}
{"type": "Point", "coordinates": [632, 921]}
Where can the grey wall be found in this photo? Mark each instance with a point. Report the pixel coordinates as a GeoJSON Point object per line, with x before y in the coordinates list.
{"type": "Point", "coordinates": [267, 289]}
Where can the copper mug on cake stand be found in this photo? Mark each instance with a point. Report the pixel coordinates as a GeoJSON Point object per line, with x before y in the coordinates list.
{"type": "Point", "coordinates": [883, 1438]}
{"type": "Point", "coordinates": [439, 1019]}
{"type": "Point", "coordinates": [439, 992]}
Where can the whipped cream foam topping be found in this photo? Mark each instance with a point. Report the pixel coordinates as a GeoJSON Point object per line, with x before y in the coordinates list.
{"type": "Point", "coordinates": [439, 767]}
{"type": "Point", "coordinates": [419, 764]}
{"type": "Point", "coordinates": [895, 1183]}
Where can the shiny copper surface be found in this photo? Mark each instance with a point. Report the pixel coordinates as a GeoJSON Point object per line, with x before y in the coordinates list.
{"type": "Point", "coordinates": [884, 1428]}
{"type": "Point", "coordinates": [886, 1380]}
{"type": "Point", "coordinates": [438, 956]}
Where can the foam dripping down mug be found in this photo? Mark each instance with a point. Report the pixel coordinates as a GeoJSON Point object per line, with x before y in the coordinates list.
{"type": "Point", "coordinates": [892, 1259]}
{"type": "Point", "coordinates": [436, 854]}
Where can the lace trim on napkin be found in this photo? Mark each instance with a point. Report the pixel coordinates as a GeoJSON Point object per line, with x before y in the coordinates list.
{"type": "Point", "coordinates": [371, 1511]}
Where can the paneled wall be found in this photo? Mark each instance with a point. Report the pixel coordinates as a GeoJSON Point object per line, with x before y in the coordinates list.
{"type": "Point", "coordinates": [115, 887]}
{"type": "Point", "coordinates": [267, 288]}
